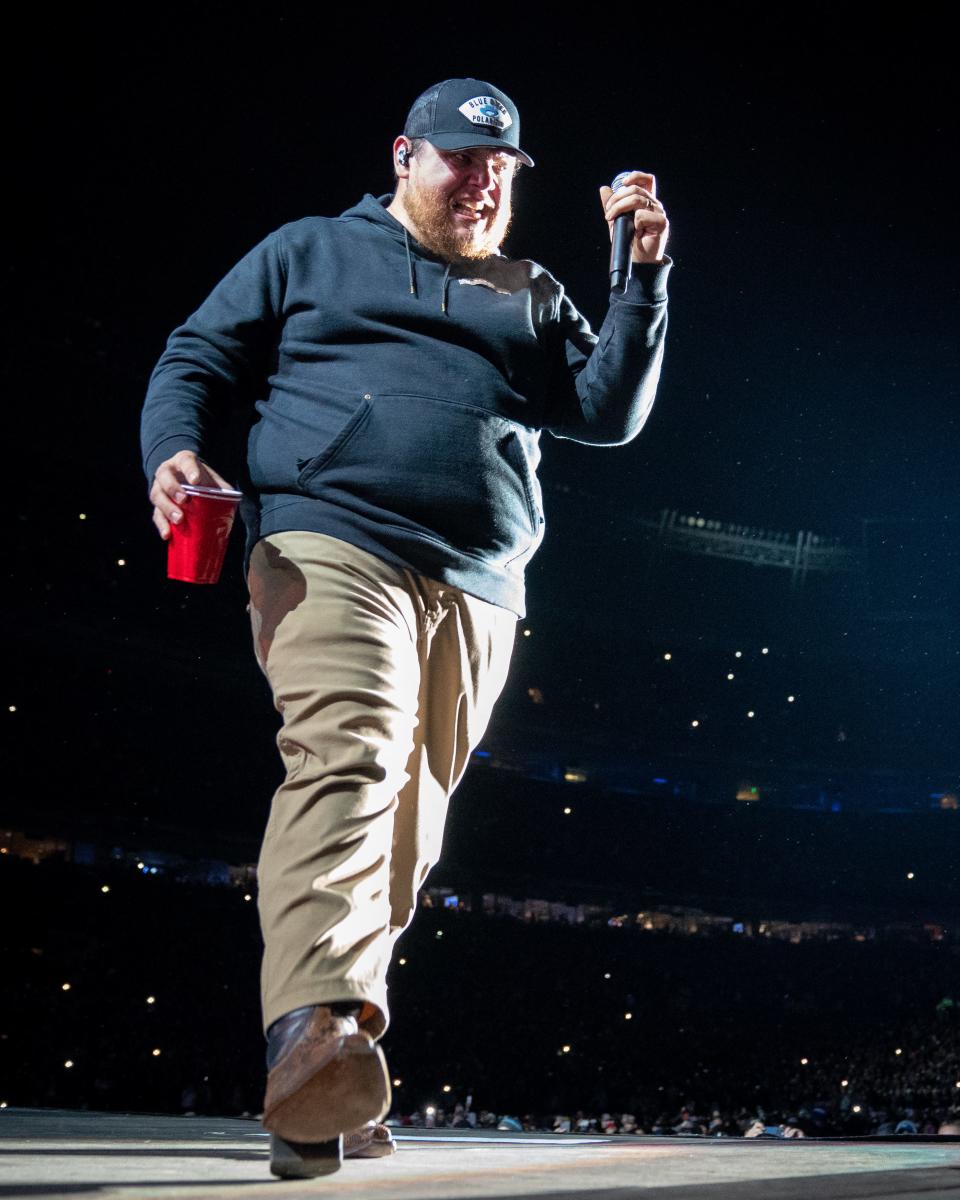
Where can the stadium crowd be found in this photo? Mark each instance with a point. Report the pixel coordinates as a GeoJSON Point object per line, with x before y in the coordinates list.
{"type": "Point", "coordinates": [139, 993]}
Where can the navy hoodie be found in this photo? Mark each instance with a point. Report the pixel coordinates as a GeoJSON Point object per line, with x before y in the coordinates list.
{"type": "Point", "coordinates": [400, 398]}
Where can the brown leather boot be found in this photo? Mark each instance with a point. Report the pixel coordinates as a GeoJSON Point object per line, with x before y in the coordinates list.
{"type": "Point", "coordinates": [326, 1076]}
{"type": "Point", "coordinates": [373, 1140]}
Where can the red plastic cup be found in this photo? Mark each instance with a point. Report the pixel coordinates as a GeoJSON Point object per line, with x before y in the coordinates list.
{"type": "Point", "coordinates": [197, 546]}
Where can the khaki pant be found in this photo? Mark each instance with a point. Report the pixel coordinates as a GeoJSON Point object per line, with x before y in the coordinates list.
{"type": "Point", "coordinates": [385, 681]}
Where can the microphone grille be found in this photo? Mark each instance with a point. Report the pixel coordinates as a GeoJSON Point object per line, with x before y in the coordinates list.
{"type": "Point", "coordinates": [618, 181]}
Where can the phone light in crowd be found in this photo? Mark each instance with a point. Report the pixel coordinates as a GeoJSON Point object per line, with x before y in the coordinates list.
{"type": "Point", "coordinates": [790, 699]}
{"type": "Point", "coordinates": [151, 999]}
{"type": "Point", "coordinates": [3, 1104]}
{"type": "Point", "coordinates": [83, 516]}
{"type": "Point", "coordinates": [898, 1051]}
{"type": "Point", "coordinates": [667, 657]}
{"type": "Point", "coordinates": [765, 650]}
{"type": "Point", "coordinates": [527, 632]}
{"type": "Point", "coordinates": [739, 654]}
{"type": "Point", "coordinates": [447, 1087]}
{"type": "Point", "coordinates": [804, 1061]}
{"type": "Point", "coordinates": [628, 1016]}
{"type": "Point", "coordinates": [730, 675]}
{"type": "Point", "coordinates": [565, 1049]}
{"type": "Point", "coordinates": [247, 896]}
{"type": "Point", "coordinates": [65, 987]}
{"type": "Point", "coordinates": [909, 874]}
{"type": "Point", "coordinates": [121, 562]}
{"type": "Point", "coordinates": [606, 974]}
{"type": "Point", "coordinates": [567, 812]}
{"type": "Point", "coordinates": [856, 1108]}
{"type": "Point", "coordinates": [751, 713]}
{"type": "Point", "coordinates": [12, 708]}
{"type": "Point", "coordinates": [430, 1111]}
{"type": "Point", "coordinates": [694, 724]}
{"type": "Point", "coordinates": [155, 1052]}
{"type": "Point", "coordinates": [844, 1082]}
{"type": "Point", "coordinates": [68, 1064]}
{"type": "Point", "coordinates": [398, 1083]}
{"type": "Point", "coordinates": [139, 866]}
{"type": "Point", "coordinates": [105, 888]}
{"type": "Point", "coordinates": [439, 933]}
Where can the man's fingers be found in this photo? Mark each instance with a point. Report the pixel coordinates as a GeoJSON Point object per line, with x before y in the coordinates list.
{"type": "Point", "coordinates": [163, 527]}
{"type": "Point", "coordinates": [166, 492]}
{"type": "Point", "coordinates": [643, 178]}
{"type": "Point", "coordinates": [630, 199]}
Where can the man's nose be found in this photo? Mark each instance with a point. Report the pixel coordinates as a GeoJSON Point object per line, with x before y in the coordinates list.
{"type": "Point", "coordinates": [481, 175]}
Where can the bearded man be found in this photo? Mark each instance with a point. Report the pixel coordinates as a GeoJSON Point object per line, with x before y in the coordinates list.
{"type": "Point", "coordinates": [402, 369]}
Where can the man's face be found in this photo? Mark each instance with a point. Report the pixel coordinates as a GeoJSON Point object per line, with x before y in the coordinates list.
{"type": "Point", "coordinates": [459, 200]}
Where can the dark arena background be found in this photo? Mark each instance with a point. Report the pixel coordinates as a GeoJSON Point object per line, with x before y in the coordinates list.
{"type": "Point", "coordinates": [701, 880]}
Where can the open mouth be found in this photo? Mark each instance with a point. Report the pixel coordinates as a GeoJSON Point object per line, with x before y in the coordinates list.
{"type": "Point", "coordinates": [470, 210]}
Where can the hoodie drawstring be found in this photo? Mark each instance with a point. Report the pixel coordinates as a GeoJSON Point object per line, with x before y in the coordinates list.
{"type": "Point", "coordinates": [412, 274]}
{"type": "Point", "coordinates": [410, 268]}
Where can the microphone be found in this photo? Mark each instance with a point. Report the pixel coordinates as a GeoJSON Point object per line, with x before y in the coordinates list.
{"type": "Point", "coordinates": [620, 260]}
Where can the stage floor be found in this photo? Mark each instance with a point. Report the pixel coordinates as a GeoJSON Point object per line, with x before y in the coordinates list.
{"type": "Point", "coordinates": [109, 1156]}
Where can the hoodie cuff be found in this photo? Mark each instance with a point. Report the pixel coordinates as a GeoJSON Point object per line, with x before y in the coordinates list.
{"type": "Point", "coordinates": [167, 449]}
{"type": "Point", "coordinates": [647, 285]}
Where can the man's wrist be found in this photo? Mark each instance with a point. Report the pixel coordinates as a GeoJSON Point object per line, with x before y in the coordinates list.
{"type": "Point", "coordinates": [647, 283]}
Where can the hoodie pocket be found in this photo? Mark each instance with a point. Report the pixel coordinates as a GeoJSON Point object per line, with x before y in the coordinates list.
{"type": "Point", "coordinates": [455, 473]}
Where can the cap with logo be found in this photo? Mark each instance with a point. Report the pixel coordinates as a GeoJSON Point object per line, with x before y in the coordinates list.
{"type": "Point", "coordinates": [461, 113]}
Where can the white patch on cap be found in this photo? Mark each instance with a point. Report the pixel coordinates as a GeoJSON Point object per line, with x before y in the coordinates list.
{"type": "Point", "coordinates": [485, 110]}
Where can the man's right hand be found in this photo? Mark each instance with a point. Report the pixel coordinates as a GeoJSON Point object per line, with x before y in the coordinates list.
{"type": "Point", "coordinates": [167, 494]}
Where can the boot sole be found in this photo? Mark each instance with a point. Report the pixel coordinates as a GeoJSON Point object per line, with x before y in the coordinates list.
{"type": "Point", "coordinates": [304, 1160]}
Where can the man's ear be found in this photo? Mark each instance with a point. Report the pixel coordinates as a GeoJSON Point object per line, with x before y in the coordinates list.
{"type": "Point", "coordinates": [401, 157]}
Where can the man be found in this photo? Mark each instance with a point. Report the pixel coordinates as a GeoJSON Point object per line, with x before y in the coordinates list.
{"type": "Point", "coordinates": [402, 370]}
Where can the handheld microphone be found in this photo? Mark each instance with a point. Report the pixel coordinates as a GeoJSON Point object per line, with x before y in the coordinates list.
{"type": "Point", "coordinates": [620, 259]}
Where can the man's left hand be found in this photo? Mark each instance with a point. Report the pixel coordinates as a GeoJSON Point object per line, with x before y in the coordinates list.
{"type": "Point", "coordinates": [638, 195]}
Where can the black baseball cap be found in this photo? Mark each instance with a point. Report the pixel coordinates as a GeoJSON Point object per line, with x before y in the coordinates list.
{"type": "Point", "coordinates": [461, 113]}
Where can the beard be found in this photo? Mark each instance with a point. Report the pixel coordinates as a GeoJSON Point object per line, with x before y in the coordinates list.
{"type": "Point", "coordinates": [433, 218]}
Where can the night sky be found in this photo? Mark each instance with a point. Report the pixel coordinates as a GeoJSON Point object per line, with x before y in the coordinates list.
{"type": "Point", "coordinates": [806, 162]}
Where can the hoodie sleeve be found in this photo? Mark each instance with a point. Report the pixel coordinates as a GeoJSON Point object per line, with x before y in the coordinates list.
{"type": "Point", "coordinates": [216, 359]}
{"type": "Point", "coordinates": [604, 385]}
